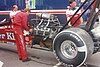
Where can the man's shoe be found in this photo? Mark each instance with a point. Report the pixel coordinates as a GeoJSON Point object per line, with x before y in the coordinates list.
{"type": "Point", "coordinates": [25, 60]}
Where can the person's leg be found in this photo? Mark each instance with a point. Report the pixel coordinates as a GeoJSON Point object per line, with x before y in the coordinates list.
{"type": "Point", "coordinates": [20, 43]}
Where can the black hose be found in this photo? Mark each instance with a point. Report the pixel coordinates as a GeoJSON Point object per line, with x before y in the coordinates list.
{"type": "Point", "coordinates": [92, 17]}
{"type": "Point", "coordinates": [83, 12]}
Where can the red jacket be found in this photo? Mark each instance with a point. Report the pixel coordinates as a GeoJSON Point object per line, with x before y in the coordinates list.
{"type": "Point", "coordinates": [21, 20]}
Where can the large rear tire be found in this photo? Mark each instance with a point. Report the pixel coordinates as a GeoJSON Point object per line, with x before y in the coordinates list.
{"type": "Point", "coordinates": [73, 46]}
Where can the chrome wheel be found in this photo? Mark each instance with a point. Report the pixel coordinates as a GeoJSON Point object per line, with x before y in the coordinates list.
{"type": "Point", "coordinates": [69, 49]}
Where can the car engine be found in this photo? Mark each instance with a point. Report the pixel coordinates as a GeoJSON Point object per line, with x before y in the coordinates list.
{"type": "Point", "coordinates": [45, 25]}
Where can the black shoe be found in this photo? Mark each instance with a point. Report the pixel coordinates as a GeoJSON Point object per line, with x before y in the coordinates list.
{"type": "Point", "coordinates": [25, 60]}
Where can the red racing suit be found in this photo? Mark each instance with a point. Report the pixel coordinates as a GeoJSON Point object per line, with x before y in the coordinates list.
{"type": "Point", "coordinates": [20, 23]}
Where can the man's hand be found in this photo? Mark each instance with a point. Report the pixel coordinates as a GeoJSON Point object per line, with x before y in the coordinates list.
{"type": "Point", "coordinates": [26, 32]}
{"type": "Point", "coordinates": [30, 30]}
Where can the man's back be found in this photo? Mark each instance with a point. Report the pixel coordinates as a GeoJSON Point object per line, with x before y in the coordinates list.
{"type": "Point", "coordinates": [20, 20]}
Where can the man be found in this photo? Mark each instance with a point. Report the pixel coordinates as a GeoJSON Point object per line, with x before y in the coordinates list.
{"type": "Point", "coordinates": [70, 12]}
{"type": "Point", "coordinates": [13, 12]}
{"type": "Point", "coordinates": [20, 23]}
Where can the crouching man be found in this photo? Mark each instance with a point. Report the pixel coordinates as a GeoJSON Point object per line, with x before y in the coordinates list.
{"type": "Point", "coordinates": [21, 23]}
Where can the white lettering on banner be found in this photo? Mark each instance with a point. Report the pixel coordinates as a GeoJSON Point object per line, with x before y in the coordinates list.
{"type": "Point", "coordinates": [10, 36]}
{"type": "Point", "coordinates": [7, 35]}
{"type": "Point", "coordinates": [2, 36]}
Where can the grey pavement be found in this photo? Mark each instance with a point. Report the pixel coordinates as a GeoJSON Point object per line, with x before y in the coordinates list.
{"type": "Point", "coordinates": [8, 55]}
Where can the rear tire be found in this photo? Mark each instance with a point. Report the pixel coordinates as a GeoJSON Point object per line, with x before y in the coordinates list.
{"type": "Point", "coordinates": [73, 46]}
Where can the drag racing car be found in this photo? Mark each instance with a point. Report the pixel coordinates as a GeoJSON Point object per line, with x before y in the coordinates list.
{"type": "Point", "coordinates": [72, 46]}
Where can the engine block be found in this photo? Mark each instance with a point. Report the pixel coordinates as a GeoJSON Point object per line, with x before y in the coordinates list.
{"type": "Point", "coordinates": [46, 25]}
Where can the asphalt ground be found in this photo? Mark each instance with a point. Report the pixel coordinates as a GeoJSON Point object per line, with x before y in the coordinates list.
{"type": "Point", "coordinates": [39, 58]}
{"type": "Point", "coordinates": [8, 55]}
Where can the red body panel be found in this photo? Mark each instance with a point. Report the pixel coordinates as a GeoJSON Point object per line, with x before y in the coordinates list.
{"type": "Point", "coordinates": [11, 34]}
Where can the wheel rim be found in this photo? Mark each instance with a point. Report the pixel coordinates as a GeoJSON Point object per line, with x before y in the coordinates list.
{"type": "Point", "coordinates": [69, 49]}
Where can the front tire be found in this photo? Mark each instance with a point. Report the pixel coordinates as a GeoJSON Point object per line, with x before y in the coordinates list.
{"type": "Point", "coordinates": [73, 46]}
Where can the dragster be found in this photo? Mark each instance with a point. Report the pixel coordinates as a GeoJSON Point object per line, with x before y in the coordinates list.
{"type": "Point", "coordinates": [72, 46]}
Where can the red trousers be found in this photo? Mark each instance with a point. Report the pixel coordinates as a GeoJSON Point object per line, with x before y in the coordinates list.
{"type": "Point", "coordinates": [20, 43]}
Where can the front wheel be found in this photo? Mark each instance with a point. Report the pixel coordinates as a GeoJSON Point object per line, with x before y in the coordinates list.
{"type": "Point", "coordinates": [73, 46]}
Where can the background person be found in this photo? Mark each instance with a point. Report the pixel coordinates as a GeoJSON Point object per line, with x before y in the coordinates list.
{"type": "Point", "coordinates": [13, 12]}
{"type": "Point", "coordinates": [72, 8]}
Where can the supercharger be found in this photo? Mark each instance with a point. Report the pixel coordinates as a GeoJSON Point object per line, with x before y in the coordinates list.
{"type": "Point", "coordinates": [46, 25]}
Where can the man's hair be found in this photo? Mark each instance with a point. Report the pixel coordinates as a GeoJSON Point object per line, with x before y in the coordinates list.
{"type": "Point", "coordinates": [27, 10]}
{"type": "Point", "coordinates": [14, 6]}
